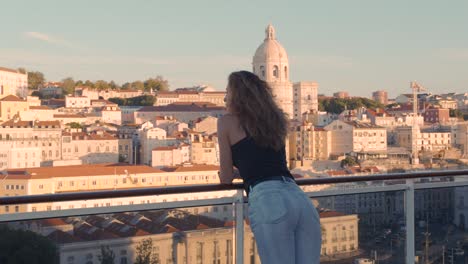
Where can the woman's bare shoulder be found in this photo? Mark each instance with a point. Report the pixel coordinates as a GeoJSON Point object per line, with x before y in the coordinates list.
{"type": "Point", "coordinates": [228, 120]}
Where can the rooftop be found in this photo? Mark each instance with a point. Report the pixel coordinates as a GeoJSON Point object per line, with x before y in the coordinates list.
{"type": "Point", "coordinates": [76, 170]}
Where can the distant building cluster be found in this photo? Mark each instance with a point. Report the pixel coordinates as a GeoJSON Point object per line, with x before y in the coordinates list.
{"type": "Point", "coordinates": [85, 142]}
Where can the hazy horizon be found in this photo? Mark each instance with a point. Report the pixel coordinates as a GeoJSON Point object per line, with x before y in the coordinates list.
{"type": "Point", "coordinates": [358, 46]}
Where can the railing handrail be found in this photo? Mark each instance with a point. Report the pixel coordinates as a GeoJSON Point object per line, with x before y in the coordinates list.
{"type": "Point", "coordinates": [89, 195]}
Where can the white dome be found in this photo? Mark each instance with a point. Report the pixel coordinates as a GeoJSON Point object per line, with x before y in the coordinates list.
{"type": "Point", "coordinates": [270, 49]}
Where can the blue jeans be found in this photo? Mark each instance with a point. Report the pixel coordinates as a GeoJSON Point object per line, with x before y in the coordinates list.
{"type": "Point", "coordinates": [285, 223]}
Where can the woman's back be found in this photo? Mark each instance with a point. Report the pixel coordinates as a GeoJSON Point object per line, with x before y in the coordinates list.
{"type": "Point", "coordinates": [254, 162]}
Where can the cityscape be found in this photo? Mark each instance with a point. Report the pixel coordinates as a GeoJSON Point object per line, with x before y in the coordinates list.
{"type": "Point", "coordinates": [71, 136]}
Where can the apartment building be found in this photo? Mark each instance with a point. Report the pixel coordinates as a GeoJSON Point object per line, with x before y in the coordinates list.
{"type": "Point", "coordinates": [77, 101]}
{"type": "Point", "coordinates": [207, 125]}
{"type": "Point", "coordinates": [11, 106]}
{"type": "Point", "coordinates": [339, 233]}
{"type": "Point", "coordinates": [45, 135]}
{"type": "Point", "coordinates": [170, 156]}
{"type": "Point", "coordinates": [13, 82]}
{"type": "Point", "coordinates": [308, 143]}
{"type": "Point", "coordinates": [183, 112]}
{"type": "Point", "coordinates": [151, 137]}
{"type": "Point", "coordinates": [348, 136]}
{"type": "Point", "coordinates": [94, 177]}
{"type": "Point", "coordinates": [90, 148]}
{"type": "Point", "coordinates": [203, 149]}
{"type": "Point", "coordinates": [427, 139]}
{"type": "Point", "coordinates": [305, 98]}
{"type": "Point", "coordinates": [436, 115]}
{"type": "Point", "coordinates": [170, 97]}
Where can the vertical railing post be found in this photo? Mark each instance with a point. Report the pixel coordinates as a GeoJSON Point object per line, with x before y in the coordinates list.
{"type": "Point", "coordinates": [409, 213]}
{"type": "Point", "coordinates": [239, 232]}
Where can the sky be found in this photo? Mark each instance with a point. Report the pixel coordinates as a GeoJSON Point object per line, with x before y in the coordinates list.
{"type": "Point", "coordinates": [357, 46]}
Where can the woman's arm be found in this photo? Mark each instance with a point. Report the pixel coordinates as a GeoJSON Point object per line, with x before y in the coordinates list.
{"type": "Point", "coordinates": [226, 173]}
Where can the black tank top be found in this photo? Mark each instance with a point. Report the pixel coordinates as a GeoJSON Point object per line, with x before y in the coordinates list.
{"type": "Point", "coordinates": [255, 162]}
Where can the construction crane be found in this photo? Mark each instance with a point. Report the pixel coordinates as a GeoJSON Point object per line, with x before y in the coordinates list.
{"type": "Point", "coordinates": [415, 128]}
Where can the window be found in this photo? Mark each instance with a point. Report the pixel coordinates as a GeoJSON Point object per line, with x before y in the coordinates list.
{"type": "Point", "coordinates": [262, 70]}
{"type": "Point", "coordinates": [275, 71]}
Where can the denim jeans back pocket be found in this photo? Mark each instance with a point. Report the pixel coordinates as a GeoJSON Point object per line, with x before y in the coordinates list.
{"type": "Point", "coordinates": [267, 208]}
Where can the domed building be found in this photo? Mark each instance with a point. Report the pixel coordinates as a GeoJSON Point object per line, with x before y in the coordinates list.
{"type": "Point", "coordinates": [271, 64]}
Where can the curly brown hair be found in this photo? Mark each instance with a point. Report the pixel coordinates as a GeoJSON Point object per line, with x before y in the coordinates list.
{"type": "Point", "coordinates": [253, 104]}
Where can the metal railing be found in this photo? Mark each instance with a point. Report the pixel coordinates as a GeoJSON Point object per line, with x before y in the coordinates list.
{"type": "Point", "coordinates": [239, 199]}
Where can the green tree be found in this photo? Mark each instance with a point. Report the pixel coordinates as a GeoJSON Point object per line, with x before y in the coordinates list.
{"type": "Point", "coordinates": [156, 84]}
{"type": "Point", "coordinates": [338, 105]}
{"type": "Point", "coordinates": [118, 100]}
{"type": "Point", "coordinates": [101, 85]}
{"type": "Point", "coordinates": [138, 85]}
{"type": "Point", "coordinates": [35, 80]}
{"type": "Point", "coordinates": [145, 254]}
{"type": "Point", "coordinates": [19, 246]}
{"type": "Point", "coordinates": [349, 161]}
{"type": "Point", "coordinates": [456, 113]}
{"type": "Point", "coordinates": [75, 125]}
{"type": "Point", "coordinates": [68, 85]}
{"type": "Point", "coordinates": [107, 255]}
{"type": "Point", "coordinates": [144, 100]}
{"type": "Point", "coordinates": [22, 70]}
{"type": "Point", "coordinates": [79, 83]}
{"type": "Point", "coordinates": [37, 93]}
{"type": "Point", "coordinates": [126, 86]}
{"type": "Point", "coordinates": [113, 85]}
{"type": "Point", "coordinates": [89, 83]}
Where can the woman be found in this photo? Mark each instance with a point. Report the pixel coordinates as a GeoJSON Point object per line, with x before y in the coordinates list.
{"type": "Point", "coordinates": [252, 137]}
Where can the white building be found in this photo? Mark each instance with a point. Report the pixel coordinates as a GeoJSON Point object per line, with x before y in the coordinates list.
{"type": "Point", "coordinates": [207, 125]}
{"type": "Point", "coordinates": [150, 138]}
{"type": "Point", "coordinates": [90, 148]}
{"type": "Point", "coordinates": [357, 137]}
{"type": "Point", "coordinates": [13, 82]}
{"type": "Point", "coordinates": [271, 64]}
{"type": "Point", "coordinates": [77, 101]}
{"type": "Point", "coordinates": [305, 98]}
{"type": "Point", "coordinates": [170, 156]}
{"type": "Point", "coordinates": [45, 135]}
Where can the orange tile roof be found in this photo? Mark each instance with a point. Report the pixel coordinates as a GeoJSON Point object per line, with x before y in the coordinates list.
{"type": "Point", "coordinates": [12, 98]}
{"type": "Point", "coordinates": [79, 170]}
{"type": "Point", "coordinates": [52, 222]}
{"type": "Point", "coordinates": [202, 226]}
{"type": "Point", "coordinates": [13, 123]}
{"type": "Point", "coordinates": [141, 232]}
{"type": "Point", "coordinates": [40, 107]}
{"type": "Point", "coordinates": [191, 167]}
{"type": "Point", "coordinates": [337, 172]}
{"type": "Point", "coordinates": [9, 70]}
{"type": "Point", "coordinates": [164, 148]}
{"type": "Point", "coordinates": [182, 107]}
{"type": "Point", "coordinates": [91, 136]}
{"type": "Point", "coordinates": [330, 214]}
{"type": "Point", "coordinates": [68, 116]}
